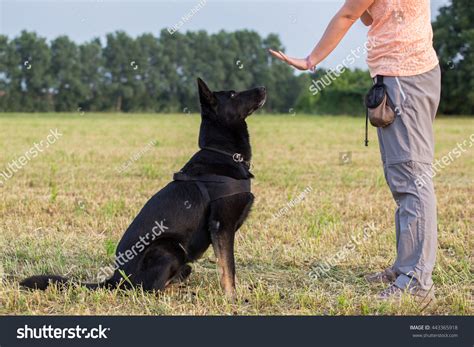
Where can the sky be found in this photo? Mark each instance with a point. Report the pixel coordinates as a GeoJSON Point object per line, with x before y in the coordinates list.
{"type": "Point", "coordinates": [298, 23]}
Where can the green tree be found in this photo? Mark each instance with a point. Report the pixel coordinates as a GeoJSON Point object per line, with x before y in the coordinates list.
{"type": "Point", "coordinates": [454, 43]}
{"type": "Point", "coordinates": [170, 69]}
{"type": "Point", "coordinates": [68, 87]}
{"type": "Point", "coordinates": [121, 71]}
{"type": "Point", "coordinates": [30, 73]}
{"type": "Point", "coordinates": [4, 73]}
{"type": "Point", "coordinates": [92, 76]}
{"type": "Point", "coordinates": [149, 94]}
{"type": "Point", "coordinates": [343, 94]}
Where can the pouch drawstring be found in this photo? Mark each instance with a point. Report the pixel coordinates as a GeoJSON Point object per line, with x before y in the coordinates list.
{"type": "Point", "coordinates": [366, 127]}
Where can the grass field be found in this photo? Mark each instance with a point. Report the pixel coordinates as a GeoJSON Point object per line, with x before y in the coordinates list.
{"type": "Point", "coordinates": [64, 211]}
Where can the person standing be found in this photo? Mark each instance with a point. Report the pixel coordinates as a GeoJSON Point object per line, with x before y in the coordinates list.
{"type": "Point", "coordinates": [402, 52]}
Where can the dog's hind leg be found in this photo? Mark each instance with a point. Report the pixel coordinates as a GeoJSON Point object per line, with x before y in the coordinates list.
{"type": "Point", "coordinates": [160, 264]}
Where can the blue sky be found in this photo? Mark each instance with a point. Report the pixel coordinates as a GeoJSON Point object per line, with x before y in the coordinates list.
{"type": "Point", "coordinates": [299, 23]}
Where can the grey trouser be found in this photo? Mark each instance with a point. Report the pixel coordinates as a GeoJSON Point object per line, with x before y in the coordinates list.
{"type": "Point", "coordinates": [407, 149]}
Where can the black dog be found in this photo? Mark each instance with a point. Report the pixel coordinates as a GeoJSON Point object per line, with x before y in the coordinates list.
{"type": "Point", "coordinates": [206, 203]}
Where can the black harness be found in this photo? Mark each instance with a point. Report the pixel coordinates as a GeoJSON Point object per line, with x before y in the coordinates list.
{"type": "Point", "coordinates": [215, 187]}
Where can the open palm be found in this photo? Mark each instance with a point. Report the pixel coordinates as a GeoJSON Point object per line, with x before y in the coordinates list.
{"type": "Point", "coordinates": [299, 64]}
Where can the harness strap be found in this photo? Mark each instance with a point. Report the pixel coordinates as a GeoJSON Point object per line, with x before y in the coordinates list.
{"type": "Point", "coordinates": [203, 190]}
{"type": "Point", "coordinates": [215, 187]}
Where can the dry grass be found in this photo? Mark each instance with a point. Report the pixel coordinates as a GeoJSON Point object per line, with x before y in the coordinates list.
{"type": "Point", "coordinates": [65, 211]}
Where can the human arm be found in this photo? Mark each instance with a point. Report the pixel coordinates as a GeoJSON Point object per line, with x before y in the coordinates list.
{"type": "Point", "coordinates": [349, 13]}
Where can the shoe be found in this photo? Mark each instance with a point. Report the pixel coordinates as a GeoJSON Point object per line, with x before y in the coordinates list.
{"type": "Point", "coordinates": [420, 295]}
{"type": "Point", "coordinates": [385, 276]}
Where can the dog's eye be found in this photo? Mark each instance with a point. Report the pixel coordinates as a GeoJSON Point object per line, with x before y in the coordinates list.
{"type": "Point", "coordinates": [232, 95]}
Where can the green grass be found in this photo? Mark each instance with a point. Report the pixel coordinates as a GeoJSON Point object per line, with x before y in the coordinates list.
{"type": "Point", "coordinates": [65, 211]}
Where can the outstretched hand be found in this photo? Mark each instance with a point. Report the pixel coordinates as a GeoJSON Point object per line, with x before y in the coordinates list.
{"type": "Point", "coordinates": [300, 64]}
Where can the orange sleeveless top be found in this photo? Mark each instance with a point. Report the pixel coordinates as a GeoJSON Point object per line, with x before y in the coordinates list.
{"type": "Point", "coordinates": [401, 38]}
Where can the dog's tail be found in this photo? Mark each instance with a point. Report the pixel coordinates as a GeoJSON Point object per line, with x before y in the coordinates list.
{"type": "Point", "coordinates": [42, 282]}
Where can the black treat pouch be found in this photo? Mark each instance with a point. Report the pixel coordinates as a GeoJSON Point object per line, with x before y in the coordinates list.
{"type": "Point", "coordinates": [378, 110]}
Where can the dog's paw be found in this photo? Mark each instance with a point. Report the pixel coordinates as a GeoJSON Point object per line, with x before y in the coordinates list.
{"type": "Point", "coordinates": [231, 295]}
{"type": "Point", "coordinates": [182, 274]}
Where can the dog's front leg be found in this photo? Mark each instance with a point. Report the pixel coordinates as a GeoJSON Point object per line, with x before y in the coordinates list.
{"type": "Point", "coordinates": [222, 237]}
{"type": "Point", "coordinates": [226, 217]}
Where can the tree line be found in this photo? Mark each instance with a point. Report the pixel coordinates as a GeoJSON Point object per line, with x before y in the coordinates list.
{"type": "Point", "coordinates": [157, 73]}
{"type": "Point", "coordinates": [146, 73]}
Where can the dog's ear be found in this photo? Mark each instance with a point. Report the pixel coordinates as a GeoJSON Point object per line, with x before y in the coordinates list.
{"type": "Point", "coordinates": [206, 97]}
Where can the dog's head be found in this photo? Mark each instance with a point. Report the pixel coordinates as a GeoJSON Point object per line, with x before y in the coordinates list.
{"type": "Point", "coordinates": [230, 107]}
